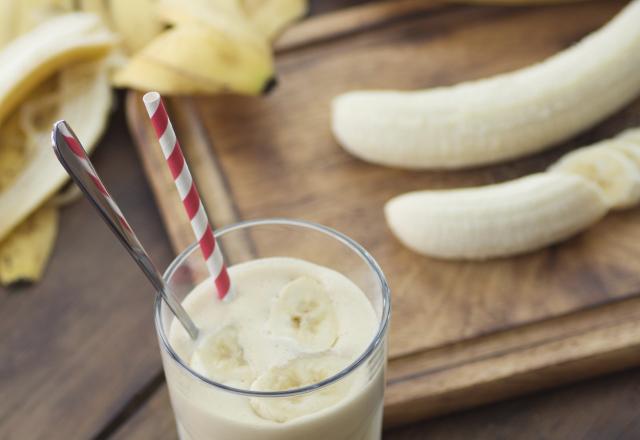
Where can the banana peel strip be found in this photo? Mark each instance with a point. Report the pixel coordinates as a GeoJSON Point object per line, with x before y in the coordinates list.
{"type": "Point", "coordinates": [25, 252]}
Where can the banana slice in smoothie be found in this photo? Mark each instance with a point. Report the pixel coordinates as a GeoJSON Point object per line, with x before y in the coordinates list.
{"type": "Point", "coordinates": [298, 373]}
{"type": "Point", "coordinates": [220, 357]}
{"type": "Point", "coordinates": [304, 311]}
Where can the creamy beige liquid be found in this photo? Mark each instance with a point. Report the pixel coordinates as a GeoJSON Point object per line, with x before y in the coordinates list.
{"type": "Point", "coordinates": [252, 346]}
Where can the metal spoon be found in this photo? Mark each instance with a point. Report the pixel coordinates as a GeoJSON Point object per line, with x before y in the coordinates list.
{"type": "Point", "coordinates": [74, 159]}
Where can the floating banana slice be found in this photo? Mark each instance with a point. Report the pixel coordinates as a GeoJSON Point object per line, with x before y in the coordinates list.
{"type": "Point", "coordinates": [298, 373]}
{"type": "Point", "coordinates": [496, 220]}
{"type": "Point", "coordinates": [220, 357]}
{"type": "Point", "coordinates": [303, 311]}
{"type": "Point", "coordinates": [498, 118]}
{"type": "Point", "coordinates": [612, 170]}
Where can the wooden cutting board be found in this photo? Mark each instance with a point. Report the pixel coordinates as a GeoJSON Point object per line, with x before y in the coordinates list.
{"type": "Point", "coordinates": [462, 333]}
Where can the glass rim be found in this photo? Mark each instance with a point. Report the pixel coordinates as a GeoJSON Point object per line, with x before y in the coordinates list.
{"type": "Point", "coordinates": [344, 239]}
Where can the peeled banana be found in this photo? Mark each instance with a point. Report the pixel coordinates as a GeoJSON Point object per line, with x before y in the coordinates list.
{"type": "Point", "coordinates": [298, 373]}
{"type": "Point", "coordinates": [498, 118]}
{"type": "Point", "coordinates": [303, 311]}
{"type": "Point", "coordinates": [496, 220]}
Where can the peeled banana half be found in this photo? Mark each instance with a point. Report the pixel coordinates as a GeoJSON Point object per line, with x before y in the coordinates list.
{"type": "Point", "coordinates": [498, 118]}
{"type": "Point", "coordinates": [525, 214]}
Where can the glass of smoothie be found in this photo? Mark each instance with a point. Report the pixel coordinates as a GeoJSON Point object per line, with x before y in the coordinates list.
{"type": "Point", "coordinates": [298, 351]}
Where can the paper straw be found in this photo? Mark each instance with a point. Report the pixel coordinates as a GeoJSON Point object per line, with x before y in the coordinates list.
{"type": "Point", "coordinates": [188, 193]}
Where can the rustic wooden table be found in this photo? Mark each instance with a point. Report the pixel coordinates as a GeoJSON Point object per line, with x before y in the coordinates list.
{"type": "Point", "coordinates": [79, 357]}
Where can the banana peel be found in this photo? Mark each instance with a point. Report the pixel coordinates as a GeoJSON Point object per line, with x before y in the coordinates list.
{"type": "Point", "coordinates": [81, 87]}
{"type": "Point", "coordinates": [197, 58]}
{"type": "Point", "coordinates": [135, 21]}
{"type": "Point", "coordinates": [271, 17]}
{"type": "Point", "coordinates": [36, 55]}
{"type": "Point", "coordinates": [24, 253]}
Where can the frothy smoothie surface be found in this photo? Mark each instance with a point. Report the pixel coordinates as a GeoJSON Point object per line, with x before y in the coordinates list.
{"type": "Point", "coordinates": [291, 323]}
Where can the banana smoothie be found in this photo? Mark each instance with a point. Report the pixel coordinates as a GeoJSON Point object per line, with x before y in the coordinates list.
{"type": "Point", "coordinates": [291, 324]}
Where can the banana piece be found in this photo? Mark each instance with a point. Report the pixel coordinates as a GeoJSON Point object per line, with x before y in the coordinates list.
{"type": "Point", "coordinates": [498, 220]}
{"type": "Point", "coordinates": [499, 118]}
{"type": "Point", "coordinates": [304, 312]}
{"type": "Point", "coordinates": [299, 373]}
{"type": "Point", "coordinates": [220, 357]}
{"type": "Point", "coordinates": [83, 86]}
{"type": "Point", "coordinates": [612, 170]}
{"type": "Point", "coordinates": [34, 56]}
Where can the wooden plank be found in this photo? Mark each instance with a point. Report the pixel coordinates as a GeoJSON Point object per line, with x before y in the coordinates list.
{"type": "Point", "coordinates": [279, 158]}
{"type": "Point", "coordinates": [77, 346]}
{"type": "Point", "coordinates": [350, 21]}
{"type": "Point", "coordinates": [469, 332]}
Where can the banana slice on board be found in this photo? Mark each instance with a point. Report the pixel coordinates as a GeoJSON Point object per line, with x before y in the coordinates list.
{"type": "Point", "coordinates": [303, 311]}
{"type": "Point", "coordinates": [612, 170]}
{"type": "Point", "coordinates": [220, 357]}
{"type": "Point", "coordinates": [498, 220]}
{"type": "Point", "coordinates": [298, 373]}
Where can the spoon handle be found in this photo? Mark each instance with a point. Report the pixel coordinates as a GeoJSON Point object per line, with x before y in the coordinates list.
{"type": "Point", "coordinates": [74, 159]}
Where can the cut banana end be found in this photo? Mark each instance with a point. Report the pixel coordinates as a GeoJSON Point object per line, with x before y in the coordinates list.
{"type": "Point", "coordinates": [220, 357]}
{"type": "Point", "coordinates": [632, 134]}
{"type": "Point", "coordinates": [499, 220]}
{"type": "Point", "coordinates": [303, 311]}
{"type": "Point", "coordinates": [34, 56]}
{"type": "Point", "coordinates": [299, 373]}
{"type": "Point", "coordinates": [611, 169]}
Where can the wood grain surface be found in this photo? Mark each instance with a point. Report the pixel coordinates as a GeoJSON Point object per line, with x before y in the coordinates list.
{"type": "Point", "coordinates": [462, 333]}
{"type": "Point", "coordinates": [79, 357]}
{"type": "Point", "coordinates": [79, 346]}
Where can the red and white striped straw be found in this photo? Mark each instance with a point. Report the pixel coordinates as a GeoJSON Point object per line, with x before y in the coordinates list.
{"type": "Point", "coordinates": [188, 193]}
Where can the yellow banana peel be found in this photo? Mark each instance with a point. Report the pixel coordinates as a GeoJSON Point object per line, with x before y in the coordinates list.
{"type": "Point", "coordinates": [197, 58]}
{"type": "Point", "coordinates": [24, 253]}
{"type": "Point", "coordinates": [135, 21]}
{"type": "Point", "coordinates": [271, 17]}
{"type": "Point", "coordinates": [81, 87]}
{"type": "Point", "coordinates": [32, 57]}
